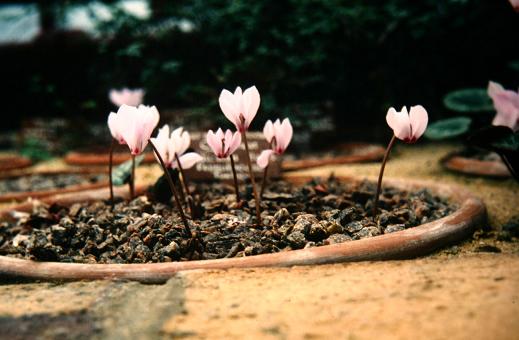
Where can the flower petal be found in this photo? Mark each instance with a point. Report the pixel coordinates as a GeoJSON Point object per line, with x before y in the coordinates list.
{"type": "Point", "coordinates": [268, 131]}
{"type": "Point", "coordinates": [284, 136]}
{"type": "Point", "coordinates": [251, 102]}
{"type": "Point", "coordinates": [188, 160]}
{"type": "Point", "coordinates": [399, 122]}
{"type": "Point", "coordinates": [230, 106]}
{"type": "Point", "coordinates": [234, 143]}
{"type": "Point", "coordinates": [264, 158]}
{"type": "Point", "coordinates": [214, 143]}
{"type": "Point", "coordinates": [418, 118]}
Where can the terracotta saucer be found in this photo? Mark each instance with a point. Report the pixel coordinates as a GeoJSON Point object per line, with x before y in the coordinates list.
{"type": "Point", "coordinates": [460, 163]}
{"type": "Point", "coordinates": [407, 243]}
{"type": "Point", "coordinates": [12, 162]}
{"type": "Point", "coordinates": [346, 153]}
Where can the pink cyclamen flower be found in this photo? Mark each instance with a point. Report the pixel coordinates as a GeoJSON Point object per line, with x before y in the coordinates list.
{"type": "Point", "coordinates": [506, 103]}
{"type": "Point", "coordinates": [115, 126]}
{"type": "Point", "coordinates": [223, 144]}
{"type": "Point", "coordinates": [126, 96]}
{"type": "Point", "coordinates": [135, 125]}
{"type": "Point", "coordinates": [175, 143]}
{"type": "Point", "coordinates": [278, 134]}
{"type": "Point", "coordinates": [515, 4]}
{"type": "Point", "coordinates": [240, 108]}
{"type": "Point", "coordinates": [408, 127]}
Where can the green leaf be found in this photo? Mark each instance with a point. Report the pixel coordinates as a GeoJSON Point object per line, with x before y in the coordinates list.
{"type": "Point", "coordinates": [121, 174]}
{"type": "Point", "coordinates": [468, 101]}
{"type": "Point", "coordinates": [448, 128]}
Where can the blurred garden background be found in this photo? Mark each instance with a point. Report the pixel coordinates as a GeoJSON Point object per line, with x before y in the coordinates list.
{"type": "Point", "coordinates": [334, 67]}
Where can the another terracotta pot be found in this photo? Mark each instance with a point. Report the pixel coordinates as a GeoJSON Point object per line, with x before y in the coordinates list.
{"type": "Point", "coordinates": [23, 195]}
{"type": "Point", "coordinates": [472, 166]}
{"type": "Point", "coordinates": [408, 243]}
{"type": "Point", "coordinates": [348, 153]}
{"type": "Point", "coordinates": [12, 162]}
{"type": "Point", "coordinates": [100, 156]}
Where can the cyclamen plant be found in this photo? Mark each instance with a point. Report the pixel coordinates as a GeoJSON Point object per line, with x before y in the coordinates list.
{"type": "Point", "coordinates": [172, 148]}
{"type": "Point", "coordinates": [133, 126]}
{"type": "Point", "coordinates": [408, 127]}
{"type": "Point", "coordinates": [223, 146]}
{"type": "Point", "coordinates": [278, 135]}
{"type": "Point", "coordinates": [241, 108]}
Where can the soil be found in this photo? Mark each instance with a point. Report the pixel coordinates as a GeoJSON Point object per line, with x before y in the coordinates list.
{"type": "Point", "coordinates": [41, 182]}
{"type": "Point", "coordinates": [294, 217]}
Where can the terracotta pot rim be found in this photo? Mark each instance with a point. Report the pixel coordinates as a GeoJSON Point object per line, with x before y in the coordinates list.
{"type": "Point", "coordinates": [85, 158]}
{"type": "Point", "coordinates": [375, 154]}
{"type": "Point", "coordinates": [458, 163]}
{"type": "Point", "coordinates": [407, 243]}
{"type": "Point", "coordinates": [22, 195]}
{"type": "Point", "coordinates": [15, 162]}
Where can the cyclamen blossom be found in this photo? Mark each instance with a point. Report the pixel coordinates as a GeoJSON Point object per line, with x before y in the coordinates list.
{"type": "Point", "coordinates": [175, 143]}
{"type": "Point", "coordinates": [515, 4]}
{"type": "Point", "coordinates": [126, 96]}
{"type": "Point", "coordinates": [408, 127]}
{"type": "Point", "coordinates": [506, 103]}
{"type": "Point", "coordinates": [133, 126]}
{"type": "Point", "coordinates": [278, 134]}
{"type": "Point", "coordinates": [240, 108]}
{"type": "Point", "coordinates": [223, 144]}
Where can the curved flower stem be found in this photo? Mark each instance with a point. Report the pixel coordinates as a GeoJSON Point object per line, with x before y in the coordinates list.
{"type": "Point", "coordinates": [509, 166]}
{"type": "Point", "coordinates": [132, 179]}
{"type": "Point", "coordinates": [264, 180]}
{"type": "Point", "coordinates": [252, 179]}
{"type": "Point", "coordinates": [110, 166]}
{"type": "Point", "coordinates": [235, 178]}
{"type": "Point", "coordinates": [379, 185]}
{"type": "Point", "coordinates": [189, 198]}
{"type": "Point", "coordinates": [173, 190]}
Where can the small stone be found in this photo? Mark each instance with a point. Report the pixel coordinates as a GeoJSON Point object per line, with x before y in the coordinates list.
{"type": "Point", "coordinates": [353, 227]}
{"type": "Point", "coordinates": [348, 215]}
{"type": "Point", "coordinates": [317, 232]}
{"type": "Point", "coordinates": [304, 223]}
{"type": "Point", "coordinates": [337, 238]}
{"type": "Point", "coordinates": [394, 227]}
{"type": "Point", "coordinates": [367, 232]}
{"type": "Point", "coordinates": [281, 216]}
{"type": "Point", "coordinates": [296, 240]}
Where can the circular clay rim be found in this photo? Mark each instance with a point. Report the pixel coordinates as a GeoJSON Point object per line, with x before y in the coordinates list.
{"type": "Point", "coordinates": [375, 154]}
{"type": "Point", "coordinates": [13, 162]}
{"type": "Point", "coordinates": [408, 243]}
{"type": "Point", "coordinates": [470, 166]}
{"type": "Point", "coordinates": [81, 158]}
{"type": "Point", "coordinates": [23, 195]}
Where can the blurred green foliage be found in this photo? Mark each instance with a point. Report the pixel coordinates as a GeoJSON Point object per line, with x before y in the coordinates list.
{"type": "Point", "coordinates": [346, 60]}
{"type": "Point", "coordinates": [448, 128]}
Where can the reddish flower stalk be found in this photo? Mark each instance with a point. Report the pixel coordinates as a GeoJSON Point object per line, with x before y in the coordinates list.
{"type": "Point", "coordinates": [189, 198]}
{"type": "Point", "coordinates": [235, 180]}
{"type": "Point", "coordinates": [132, 179]}
{"type": "Point", "coordinates": [379, 184]}
{"type": "Point", "coordinates": [252, 179]}
{"type": "Point", "coordinates": [173, 189]}
{"type": "Point", "coordinates": [406, 127]}
{"type": "Point", "coordinates": [110, 166]}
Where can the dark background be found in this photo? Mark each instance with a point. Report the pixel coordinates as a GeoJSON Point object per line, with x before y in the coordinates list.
{"type": "Point", "coordinates": [332, 66]}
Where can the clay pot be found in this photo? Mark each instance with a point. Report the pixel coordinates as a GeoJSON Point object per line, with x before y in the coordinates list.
{"type": "Point", "coordinates": [408, 243]}
{"type": "Point", "coordinates": [23, 195]}
{"type": "Point", "coordinates": [99, 156]}
{"type": "Point", "coordinates": [472, 166]}
{"type": "Point", "coordinates": [12, 162]}
{"type": "Point", "coordinates": [349, 153]}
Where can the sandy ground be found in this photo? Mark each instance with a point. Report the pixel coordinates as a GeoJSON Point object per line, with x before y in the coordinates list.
{"type": "Point", "coordinates": [456, 293]}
